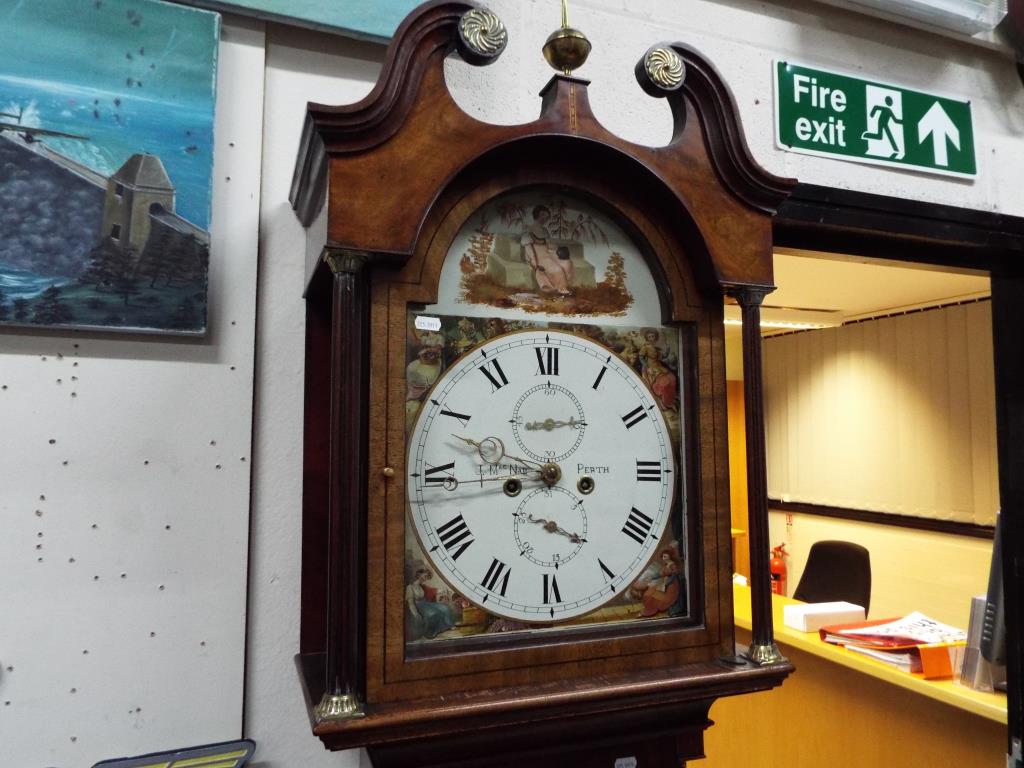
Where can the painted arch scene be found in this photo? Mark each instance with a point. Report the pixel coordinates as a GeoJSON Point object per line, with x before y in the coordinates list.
{"type": "Point", "coordinates": [106, 157]}
{"type": "Point", "coordinates": [541, 251]}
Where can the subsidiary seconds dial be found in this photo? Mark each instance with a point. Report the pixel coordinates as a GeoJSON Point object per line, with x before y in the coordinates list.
{"type": "Point", "coordinates": [540, 476]}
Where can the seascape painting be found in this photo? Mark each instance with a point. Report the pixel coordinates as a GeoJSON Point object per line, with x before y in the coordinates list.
{"type": "Point", "coordinates": [376, 20]}
{"type": "Point", "coordinates": [106, 159]}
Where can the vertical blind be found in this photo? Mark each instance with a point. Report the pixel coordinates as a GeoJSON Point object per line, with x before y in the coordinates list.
{"type": "Point", "coordinates": [890, 415]}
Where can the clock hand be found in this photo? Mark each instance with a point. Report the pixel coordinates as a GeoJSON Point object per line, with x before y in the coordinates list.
{"type": "Point", "coordinates": [493, 444]}
{"type": "Point", "coordinates": [552, 527]}
{"type": "Point", "coordinates": [550, 424]}
{"type": "Point", "coordinates": [451, 484]}
{"type": "Point", "coordinates": [489, 445]}
{"type": "Point", "coordinates": [537, 466]}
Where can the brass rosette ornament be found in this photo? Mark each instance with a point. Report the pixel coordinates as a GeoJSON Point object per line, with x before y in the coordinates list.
{"type": "Point", "coordinates": [660, 71]}
{"type": "Point", "coordinates": [482, 37]}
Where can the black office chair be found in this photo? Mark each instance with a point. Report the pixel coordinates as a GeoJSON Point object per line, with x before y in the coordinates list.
{"type": "Point", "coordinates": [836, 570]}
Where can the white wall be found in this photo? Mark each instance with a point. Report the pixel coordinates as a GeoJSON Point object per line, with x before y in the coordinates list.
{"type": "Point", "coordinates": [301, 67]}
{"type": "Point", "coordinates": [741, 38]}
{"type": "Point", "coordinates": [124, 501]}
{"type": "Point", "coordinates": [164, 401]}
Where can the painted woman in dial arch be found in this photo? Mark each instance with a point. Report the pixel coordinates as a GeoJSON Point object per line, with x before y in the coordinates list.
{"type": "Point", "coordinates": [662, 587]}
{"type": "Point", "coordinates": [420, 375]}
{"type": "Point", "coordinates": [552, 267]}
{"type": "Point", "coordinates": [657, 370]}
{"type": "Point", "coordinates": [426, 616]}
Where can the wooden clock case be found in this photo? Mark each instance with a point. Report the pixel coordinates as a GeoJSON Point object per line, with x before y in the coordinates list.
{"type": "Point", "coordinates": [398, 174]}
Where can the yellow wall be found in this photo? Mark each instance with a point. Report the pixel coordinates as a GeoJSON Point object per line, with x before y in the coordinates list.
{"type": "Point", "coordinates": [827, 715]}
{"type": "Point", "coordinates": [935, 573]}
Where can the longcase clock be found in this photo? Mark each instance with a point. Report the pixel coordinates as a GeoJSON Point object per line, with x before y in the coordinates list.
{"type": "Point", "coordinates": [516, 541]}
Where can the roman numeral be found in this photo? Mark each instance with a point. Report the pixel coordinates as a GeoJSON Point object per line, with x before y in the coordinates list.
{"type": "Point", "coordinates": [547, 361]}
{"type": "Point", "coordinates": [437, 475]}
{"type": "Point", "coordinates": [493, 574]}
{"type": "Point", "coordinates": [634, 417]}
{"type": "Point", "coordinates": [600, 375]}
{"type": "Point", "coordinates": [463, 418]}
{"type": "Point", "coordinates": [607, 571]}
{"type": "Point", "coordinates": [453, 534]}
{"type": "Point", "coordinates": [497, 378]}
{"type": "Point", "coordinates": [638, 526]}
{"type": "Point", "coordinates": [648, 470]}
{"type": "Point", "coordinates": [551, 589]}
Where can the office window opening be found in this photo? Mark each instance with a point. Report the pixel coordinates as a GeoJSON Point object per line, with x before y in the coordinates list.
{"type": "Point", "coordinates": [879, 388]}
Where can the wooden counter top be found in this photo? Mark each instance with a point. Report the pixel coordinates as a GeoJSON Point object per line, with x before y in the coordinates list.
{"type": "Point", "coordinates": [988, 705]}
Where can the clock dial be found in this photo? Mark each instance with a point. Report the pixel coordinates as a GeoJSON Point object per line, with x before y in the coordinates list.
{"type": "Point", "coordinates": [540, 475]}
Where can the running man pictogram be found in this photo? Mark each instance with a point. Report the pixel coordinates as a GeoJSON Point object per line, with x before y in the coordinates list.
{"type": "Point", "coordinates": [885, 113]}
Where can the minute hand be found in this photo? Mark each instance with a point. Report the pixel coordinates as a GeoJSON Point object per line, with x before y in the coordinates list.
{"type": "Point", "coordinates": [451, 483]}
{"type": "Point", "coordinates": [550, 424]}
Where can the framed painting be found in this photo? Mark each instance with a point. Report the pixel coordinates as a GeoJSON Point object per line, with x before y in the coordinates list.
{"type": "Point", "coordinates": [106, 151]}
{"type": "Point", "coordinates": [367, 19]}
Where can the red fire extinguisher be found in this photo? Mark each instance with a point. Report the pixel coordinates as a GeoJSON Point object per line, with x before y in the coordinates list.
{"type": "Point", "coordinates": [777, 566]}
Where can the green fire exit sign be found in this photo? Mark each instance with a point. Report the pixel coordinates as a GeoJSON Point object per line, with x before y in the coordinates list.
{"type": "Point", "coordinates": [818, 112]}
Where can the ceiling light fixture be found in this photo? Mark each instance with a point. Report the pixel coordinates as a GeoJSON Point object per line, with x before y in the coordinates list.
{"type": "Point", "coordinates": [966, 17]}
{"type": "Point", "coordinates": [781, 324]}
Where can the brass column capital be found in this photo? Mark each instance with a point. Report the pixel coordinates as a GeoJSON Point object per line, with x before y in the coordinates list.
{"type": "Point", "coordinates": [344, 260]}
{"type": "Point", "coordinates": [748, 295]}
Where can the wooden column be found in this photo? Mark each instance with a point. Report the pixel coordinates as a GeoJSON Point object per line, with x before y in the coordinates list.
{"type": "Point", "coordinates": [346, 578]}
{"type": "Point", "coordinates": [763, 649]}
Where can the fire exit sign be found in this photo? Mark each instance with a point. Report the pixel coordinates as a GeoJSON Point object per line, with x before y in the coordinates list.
{"type": "Point", "coordinates": [818, 112]}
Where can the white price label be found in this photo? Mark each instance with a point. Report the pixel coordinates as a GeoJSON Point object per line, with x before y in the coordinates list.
{"type": "Point", "coordinates": [427, 323]}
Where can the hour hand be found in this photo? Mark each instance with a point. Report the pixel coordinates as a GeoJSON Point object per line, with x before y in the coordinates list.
{"type": "Point", "coordinates": [491, 449]}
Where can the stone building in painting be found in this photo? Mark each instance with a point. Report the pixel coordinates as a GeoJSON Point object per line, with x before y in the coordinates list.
{"type": "Point", "coordinates": [139, 218]}
{"type": "Point", "coordinates": [141, 182]}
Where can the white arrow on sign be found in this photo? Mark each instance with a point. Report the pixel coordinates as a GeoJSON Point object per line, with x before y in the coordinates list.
{"type": "Point", "coordinates": [937, 123]}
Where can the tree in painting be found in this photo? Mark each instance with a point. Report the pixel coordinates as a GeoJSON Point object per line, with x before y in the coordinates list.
{"type": "Point", "coordinates": [536, 259]}
{"type": "Point", "coordinates": [50, 309]}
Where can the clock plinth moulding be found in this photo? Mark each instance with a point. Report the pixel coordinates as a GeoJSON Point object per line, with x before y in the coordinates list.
{"type": "Point", "coordinates": [397, 176]}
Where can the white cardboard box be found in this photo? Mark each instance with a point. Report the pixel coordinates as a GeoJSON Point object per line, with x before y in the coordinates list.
{"type": "Point", "coordinates": [810, 617]}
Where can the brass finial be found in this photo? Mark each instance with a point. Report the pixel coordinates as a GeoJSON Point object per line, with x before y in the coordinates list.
{"type": "Point", "coordinates": [566, 48]}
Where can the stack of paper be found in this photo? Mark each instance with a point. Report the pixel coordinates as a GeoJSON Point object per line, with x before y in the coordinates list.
{"type": "Point", "coordinates": [810, 617]}
{"type": "Point", "coordinates": [914, 643]}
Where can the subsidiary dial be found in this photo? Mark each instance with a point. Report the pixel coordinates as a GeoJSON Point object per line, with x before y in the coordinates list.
{"type": "Point", "coordinates": [550, 526]}
{"type": "Point", "coordinates": [548, 422]}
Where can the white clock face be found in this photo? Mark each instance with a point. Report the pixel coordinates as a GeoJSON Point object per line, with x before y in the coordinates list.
{"type": "Point", "coordinates": [540, 476]}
